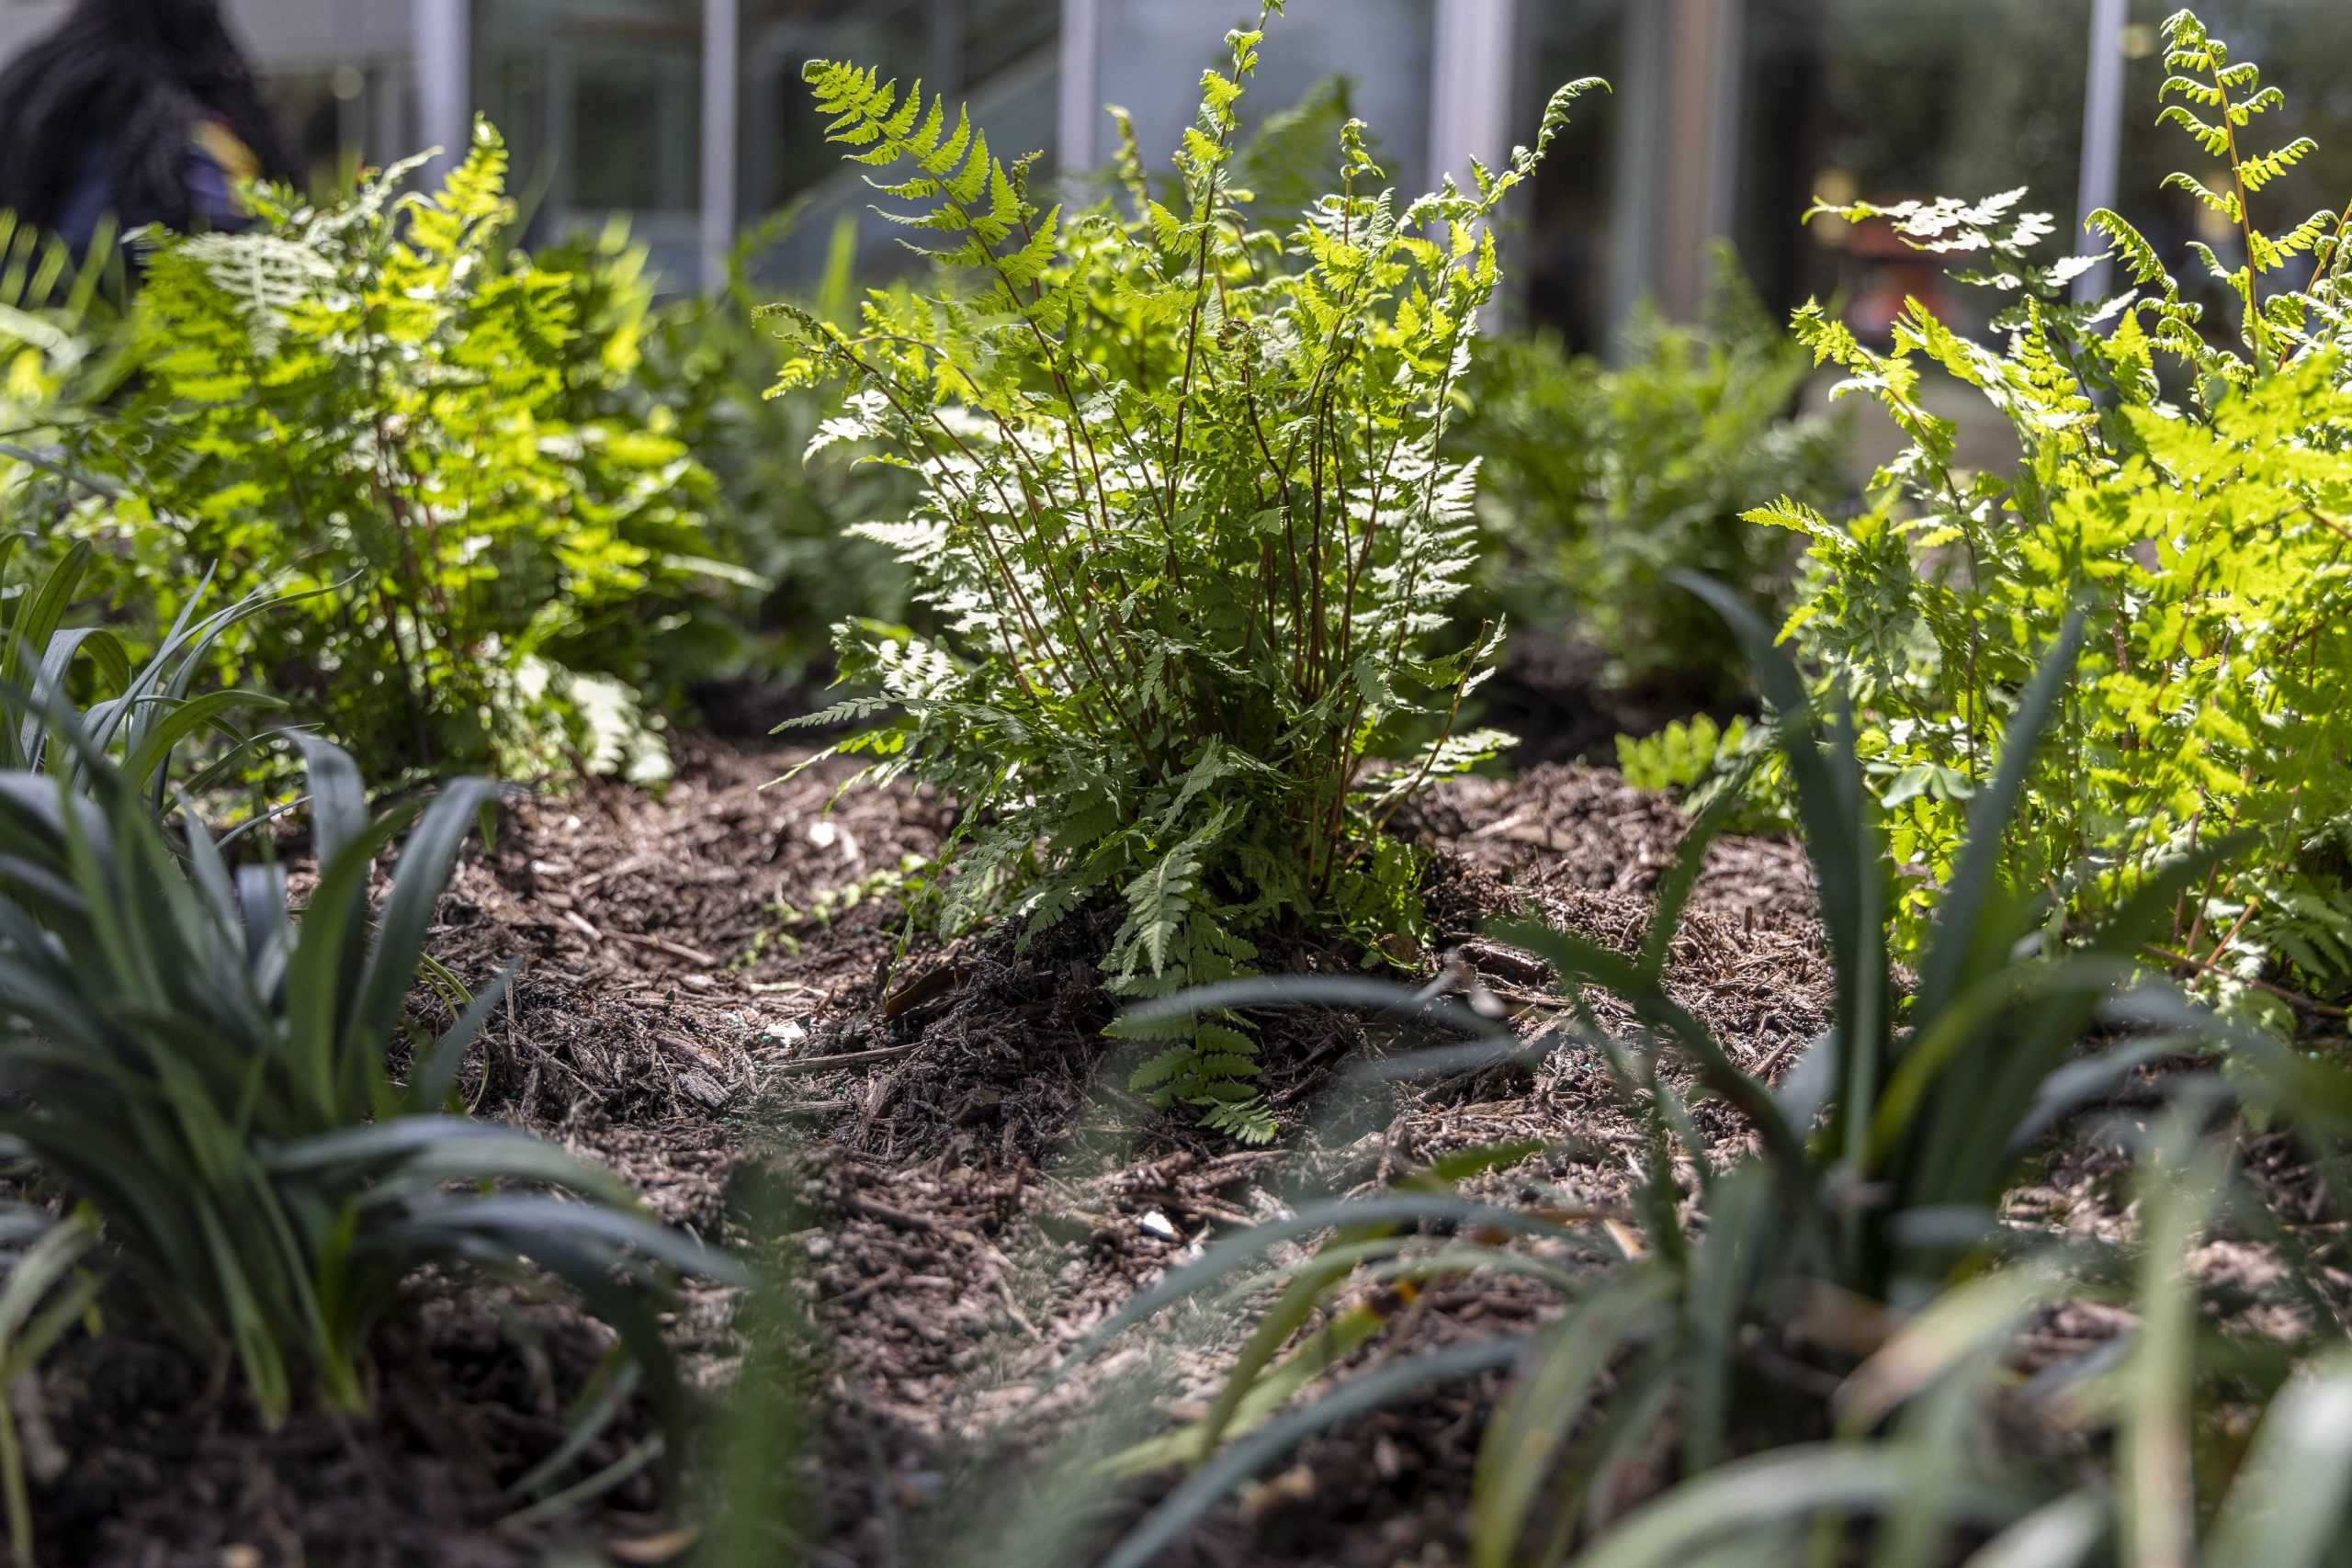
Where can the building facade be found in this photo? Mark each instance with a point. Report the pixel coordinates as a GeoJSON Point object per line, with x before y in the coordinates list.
{"type": "Point", "coordinates": [687, 117]}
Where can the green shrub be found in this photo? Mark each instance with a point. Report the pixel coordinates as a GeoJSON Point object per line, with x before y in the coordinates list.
{"type": "Point", "coordinates": [1188, 521]}
{"type": "Point", "coordinates": [2199, 492]}
{"type": "Point", "coordinates": [703, 366]}
{"type": "Point", "coordinates": [1597, 480]}
{"type": "Point", "coordinates": [1853, 1246]}
{"type": "Point", "coordinates": [363, 404]}
{"type": "Point", "coordinates": [205, 1084]}
{"type": "Point", "coordinates": [1683, 754]}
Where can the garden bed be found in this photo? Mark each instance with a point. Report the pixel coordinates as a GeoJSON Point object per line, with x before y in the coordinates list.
{"type": "Point", "coordinates": [980, 1192]}
{"type": "Point", "coordinates": [977, 1188]}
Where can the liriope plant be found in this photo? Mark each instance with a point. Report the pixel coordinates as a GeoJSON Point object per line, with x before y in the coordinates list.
{"type": "Point", "coordinates": [1188, 516]}
{"type": "Point", "coordinates": [1828, 1345]}
{"type": "Point", "coordinates": [197, 1081]}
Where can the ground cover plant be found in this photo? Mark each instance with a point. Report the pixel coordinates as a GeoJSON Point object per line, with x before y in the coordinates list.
{"type": "Point", "coordinates": [2185, 470]}
{"type": "Point", "coordinates": [1188, 515]}
{"type": "Point", "coordinates": [203, 1103]}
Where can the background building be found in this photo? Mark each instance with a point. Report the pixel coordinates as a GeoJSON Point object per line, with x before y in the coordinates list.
{"type": "Point", "coordinates": [688, 117]}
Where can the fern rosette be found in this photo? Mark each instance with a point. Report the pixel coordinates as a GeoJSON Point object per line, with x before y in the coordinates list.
{"type": "Point", "coordinates": [1187, 517]}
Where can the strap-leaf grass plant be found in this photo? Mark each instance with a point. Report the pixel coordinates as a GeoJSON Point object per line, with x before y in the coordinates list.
{"type": "Point", "coordinates": [136, 716]}
{"type": "Point", "coordinates": [2196, 489]}
{"type": "Point", "coordinates": [1188, 516]}
{"type": "Point", "coordinates": [205, 1084]}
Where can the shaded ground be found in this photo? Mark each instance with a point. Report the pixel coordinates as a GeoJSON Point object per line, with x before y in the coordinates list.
{"type": "Point", "coordinates": [155, 1465]}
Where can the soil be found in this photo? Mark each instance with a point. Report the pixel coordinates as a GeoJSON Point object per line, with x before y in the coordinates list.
{"type": "Point", "coordinates": [156, 1466]}
{"type": "Point", "coordinates": [718, 995]}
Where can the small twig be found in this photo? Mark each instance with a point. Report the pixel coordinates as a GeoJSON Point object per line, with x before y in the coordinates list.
{"type": "Point", "coordinates": [889, 1213]}
{"type": "Point", "coordinates": [694, 956]}
{"type": "Point", "coordinates": [846, 1059]}
{"type": "Point", "coordinates": [594, 879]}
{"type": "Point", "coordinates": [2223, 946]}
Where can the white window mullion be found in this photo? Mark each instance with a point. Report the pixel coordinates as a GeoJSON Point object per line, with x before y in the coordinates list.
{"type": "Point", "coordinates": [1470, 85]}
{"type": "Point", "coordinates": [721, 43]}
{"type": "Point", "coordinates": [443, 61]}
{"type": "Point", "coordinates": [2102, 134]}
{"type": "Point", "coordinates": [1079, 111]}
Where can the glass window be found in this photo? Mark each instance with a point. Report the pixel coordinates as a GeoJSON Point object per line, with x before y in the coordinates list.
{"type": "Point", "coordinates": [1001, 55]}
{"type": "Point", "coordinates": [2302, 47]}
{"type": "Point", "coordinates": [1561, 258]}
{"type": "Point", "coordinates": [781, 139]}
{"type": "Point", "coordinates": [601, 100]}
{"type": "Point", "coordinates": [324, 115]}
{"type": "Point", "coordinates": [1890, 100]}
{"type": "Point", "coordinates": [1152, 54]}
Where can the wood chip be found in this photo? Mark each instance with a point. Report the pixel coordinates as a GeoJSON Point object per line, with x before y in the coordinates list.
{"type": "Point", "coordinates": [694, 956]}
{"type": "Point", "coordinates": [846, 1059]}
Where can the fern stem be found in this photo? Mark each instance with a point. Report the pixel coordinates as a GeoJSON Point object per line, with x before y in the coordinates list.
{"type": "Point", "coordinates": [2256, 337]}
{"type": "Point", "coordinates": [1428, 758]}
{"type": "Point", "coordinates": [888, 385]}
{"type": "Point", "coordinates": [1205, 219]}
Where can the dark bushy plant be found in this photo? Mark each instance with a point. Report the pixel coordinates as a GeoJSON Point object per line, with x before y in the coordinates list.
{"type": "Point", "coordinates": [700, 368]}
{"type": "Point", "coordinates": [204, 1084]}
{"type": "Point", "coordinates": [1599, 479]}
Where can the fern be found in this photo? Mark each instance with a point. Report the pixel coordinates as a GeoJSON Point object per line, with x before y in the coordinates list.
{"type": "Point", "coordinates": [1599, 479]}
{"type": "Point", "coordinates": [368, 402]}
{"type": "Point", "coordinates": [1188, 524]}
{"type": "Point", "coordinates": [2212, 537]}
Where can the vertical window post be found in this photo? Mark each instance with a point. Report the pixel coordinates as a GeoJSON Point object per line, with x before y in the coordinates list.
{"type": "Point", "coordinates": [1080, 107]}
{"type": "Point", "coordinates": [1470, 86]}
{"type": "Point", "coordinates": [1470, 91]}
{"type": "Point", "coordinates": [721, 39]}
{"type": "Point", "coordinates": [444, 77]}
{"type": "Point", "coordinates": [2102, 134]}
{"type": "Point", "coordinates": [1677, 150]}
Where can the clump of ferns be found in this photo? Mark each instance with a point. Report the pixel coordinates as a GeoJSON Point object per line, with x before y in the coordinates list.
{"type": "Point", "coordinates": [1186, 515]}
